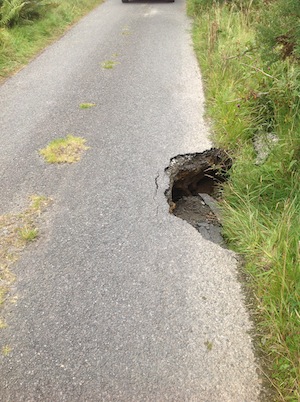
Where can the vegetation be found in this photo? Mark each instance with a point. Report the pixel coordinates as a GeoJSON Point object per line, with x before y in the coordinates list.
{"type": "Point", "coordinates": [87, 105]}
{"type": "Point", "coordinates": [28, 26]}
{"type": "Point", "coordinates": [17, 12]}
{"type": "Point", "coordinates": [109, 64]}
{"type": "Point", "coordinates": [64, 150]}
{"type": "Point", "coordinates": [249, 52]}
{"type": "Point", "coordinates": [16, 231]}
{"type": "Point", "coordinates": [6, 350]}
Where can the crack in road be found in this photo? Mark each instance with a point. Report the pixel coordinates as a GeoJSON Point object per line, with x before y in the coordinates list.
{"type": "Point", "coordinates": [156, 184]}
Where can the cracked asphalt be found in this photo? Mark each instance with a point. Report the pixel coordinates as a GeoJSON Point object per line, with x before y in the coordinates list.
{"type": "Point", "coordinates": [118, 300]}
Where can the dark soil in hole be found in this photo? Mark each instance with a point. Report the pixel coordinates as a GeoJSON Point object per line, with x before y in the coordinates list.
{"type": "Point", "coordinates": [194, 185]}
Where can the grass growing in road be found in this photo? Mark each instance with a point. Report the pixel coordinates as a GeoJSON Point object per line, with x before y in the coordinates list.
{"type": "Point", "coordinates": [28, 233]}
{"type": "Point", "coordinates": [126, 31]}
{"type": "Point", "coordinates": [20, 42]}
{"type": "Point", "coordinates": [209, 345]}
{"type": "Point", "coordinates": [250, 98]}
{"type": "Point", "coordinates": [6, 350]}
{"type": "Point", "coordinates": [109, 64]}
{"type": "Point", "coordinates": [16, 232]}
{"type": "Point", "coordinates": [64, 150]}
{"type": "Point", "coordinates": [87, 105]}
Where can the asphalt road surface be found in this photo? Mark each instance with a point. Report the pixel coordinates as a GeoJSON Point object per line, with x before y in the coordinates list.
{"type": "Point", "coordinates": [118, 300]}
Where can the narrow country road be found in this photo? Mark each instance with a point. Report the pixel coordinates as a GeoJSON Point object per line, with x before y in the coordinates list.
{"type": "Point", "coordinates": [118, 300]}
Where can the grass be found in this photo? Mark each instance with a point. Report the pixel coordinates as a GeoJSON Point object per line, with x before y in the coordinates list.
{"type": "Point", "coordinates": [6, 350]}
{"type": "Point", "coordinates": [16, 232]}
{"type": "Point", "coordinates": [209, 345]}
{"type": "Point", "coordinates": [87, 105]}
{"type": "Point", "coordinates": [28, 233]}
{"type": "Point", "coordinates": [109, 64]}
{"type": "Point", "coordinates": [248, 99]}
{"type": "Point", "coordinates": [64, 150]}
{"type": "Point", "coordinates": [19, 44]}
{"type": "Point", "coordinates": [126, 31]}
{"type": "Point", "coordinates": [2, 323]}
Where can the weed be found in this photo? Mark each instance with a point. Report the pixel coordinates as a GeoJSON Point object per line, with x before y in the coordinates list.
{"type": "Point", "coordinates": [126, 31]}
{"type": "Point", "coordinates": [209, 345]}
{"type": "Point", "coordinates": [3, 292]}
{"type": "Point", "coordinates": [6, 350]}
{"type": "Point", "coordinates": [28, 233]}
{"type": "Point", "coordinates": [2, 324]}
{"type": "Point", "coordinates": [38, 203]}
{"type": "Point", "coordinates": [87, 105]}
{"type": "Point", "coordinates": [109, 64]}
{"type": "Point", "coordinates": [64, 150]}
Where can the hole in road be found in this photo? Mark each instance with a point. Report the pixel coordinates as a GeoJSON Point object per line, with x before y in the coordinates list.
{"type": "Point", "coordinates": [195, 187]}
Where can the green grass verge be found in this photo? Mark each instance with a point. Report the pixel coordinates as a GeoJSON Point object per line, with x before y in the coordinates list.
{"type": "Point", "coordinates": [248, 99]}
{"type": "Point", "coordinates": [19, 44]}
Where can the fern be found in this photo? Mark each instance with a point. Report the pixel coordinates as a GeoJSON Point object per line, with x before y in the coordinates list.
{"type": "Point", "coordinates": [16, 12]}
{"type": "Point", "coordinates": [10, 12]}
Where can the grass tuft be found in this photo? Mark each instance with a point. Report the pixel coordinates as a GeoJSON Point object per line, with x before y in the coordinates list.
{"type": "Point", "coordinates": [28, 233]}
{"type": "Point", "coordinates": [64, 150]}
{"type": "Point", "coordinates": [109, 64]}
{"type": "Point", "coordinates": [209, 345]}
{"type": "Point", "coordinates": [6, 350]}
{"type": "Point", "coordinates": [126, 31]}
{"type": "Point", "coordinates": [2, 323]}
{"type": "Point", "coordinates": [87, 105]}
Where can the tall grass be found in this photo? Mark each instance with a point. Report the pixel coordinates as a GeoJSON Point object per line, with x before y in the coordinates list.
{"type": "Point", "coordinates": [250, 99]}
{"type": "Point", "coordinates": [21, 41]}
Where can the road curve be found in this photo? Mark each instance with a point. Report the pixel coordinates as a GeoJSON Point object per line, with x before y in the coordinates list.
{"type": "Point", "coordinates": [118, 300]}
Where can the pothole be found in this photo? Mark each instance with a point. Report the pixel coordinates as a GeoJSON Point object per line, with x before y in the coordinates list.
{"type": "Point", "coordinates": [195, 188]}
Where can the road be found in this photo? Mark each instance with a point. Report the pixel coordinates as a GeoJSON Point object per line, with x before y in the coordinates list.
{"type": "Point", "coordinates": [118, 300]}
